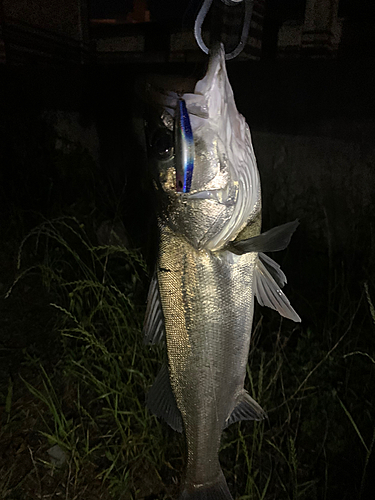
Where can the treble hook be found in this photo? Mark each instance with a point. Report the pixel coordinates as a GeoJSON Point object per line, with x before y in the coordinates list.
{"type": "Point", "coordinates": [245, 27]}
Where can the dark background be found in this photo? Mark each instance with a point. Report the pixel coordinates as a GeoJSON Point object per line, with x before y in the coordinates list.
{"type": "Point", "coordinates": [296, 99]}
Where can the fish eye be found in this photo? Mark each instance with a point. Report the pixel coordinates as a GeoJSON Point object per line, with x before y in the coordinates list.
{"type": "Point", "coordinates": [162, 144]}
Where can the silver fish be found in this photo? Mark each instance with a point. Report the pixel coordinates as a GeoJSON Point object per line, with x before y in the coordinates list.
{"type": "Point", "coordinates": [210, 267]}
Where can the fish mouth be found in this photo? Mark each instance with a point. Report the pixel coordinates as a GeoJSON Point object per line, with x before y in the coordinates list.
{"type": "Point", "coordinates": [204, 103]}
{"type": "Point", "coordinates": [197, 103]}
{"type": "Point", "coordinates": [186, 114]}
{"type": "Point", "coordinates": [199, 109]}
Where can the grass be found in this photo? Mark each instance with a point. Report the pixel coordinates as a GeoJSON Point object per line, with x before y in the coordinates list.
{"type": "Point", "coordinates": [84, 395]}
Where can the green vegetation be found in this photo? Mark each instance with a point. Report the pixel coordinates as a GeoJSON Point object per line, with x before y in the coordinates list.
{"type": "Point", "coordinates": [74, 424]}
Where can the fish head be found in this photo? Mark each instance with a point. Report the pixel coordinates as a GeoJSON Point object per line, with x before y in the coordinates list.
{"type": "Point", "coordinates": [212, 202]}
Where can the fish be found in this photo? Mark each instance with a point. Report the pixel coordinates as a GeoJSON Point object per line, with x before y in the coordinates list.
{"type": "Point", "coordinates": [210, 266]}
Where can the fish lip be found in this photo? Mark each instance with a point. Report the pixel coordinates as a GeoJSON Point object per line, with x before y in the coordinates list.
{"type": "Point", "coordinates": [221, 196]}
{"type": "Point", "coordinates": [196, 106]}
{"type": "Point", "coordinates": [167, 99]}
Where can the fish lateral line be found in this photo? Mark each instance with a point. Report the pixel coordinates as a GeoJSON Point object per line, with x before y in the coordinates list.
{"type": "Point", "coordinates": [165, 270]}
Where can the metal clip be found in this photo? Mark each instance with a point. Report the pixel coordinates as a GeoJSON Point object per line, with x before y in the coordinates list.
{"type": "Point", "coordinates": [245, 27]}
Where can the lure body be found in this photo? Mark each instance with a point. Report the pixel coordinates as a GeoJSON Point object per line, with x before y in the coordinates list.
{"type": "Point", "coordinates": [184, 148]}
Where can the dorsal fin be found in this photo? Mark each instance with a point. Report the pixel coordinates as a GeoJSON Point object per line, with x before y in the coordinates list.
{"type": "Point", "coordinates": [153, 328]}
{"type": "Point", "coordinates": [161, 402]}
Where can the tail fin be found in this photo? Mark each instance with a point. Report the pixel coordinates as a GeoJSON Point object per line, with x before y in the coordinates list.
{"type": "Point", "coordinates": [217, 490]}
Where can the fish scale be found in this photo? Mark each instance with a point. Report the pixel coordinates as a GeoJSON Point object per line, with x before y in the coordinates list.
{"type": "Point", "coordinates": [207, 296]}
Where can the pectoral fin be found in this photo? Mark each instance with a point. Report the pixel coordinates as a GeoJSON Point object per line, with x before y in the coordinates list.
{"type": "Point", "coordinates": [273, 240]}
{"type": "Point", "coordinates": [268, 291]}
{"type": "Point", "coordinates": [246, 409]}
{"type": "Point", "coordinates": [161, 402]}
{"type": "Point", "coordinates": [153, 328]}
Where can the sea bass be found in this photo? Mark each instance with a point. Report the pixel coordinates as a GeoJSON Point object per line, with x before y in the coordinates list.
{"type": "Point", "coordinates": [210, 267]}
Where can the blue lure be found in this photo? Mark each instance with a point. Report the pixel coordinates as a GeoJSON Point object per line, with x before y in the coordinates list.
{"type": "Point", "coordinates": [184, 148]}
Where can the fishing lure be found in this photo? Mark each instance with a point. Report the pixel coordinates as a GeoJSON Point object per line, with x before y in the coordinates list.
{"type": "Point", "coordinates": [184, 148]}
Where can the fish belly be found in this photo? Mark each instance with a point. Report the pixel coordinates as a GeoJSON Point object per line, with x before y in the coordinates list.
{"type": "Point", "coordinates": [207, 302]}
